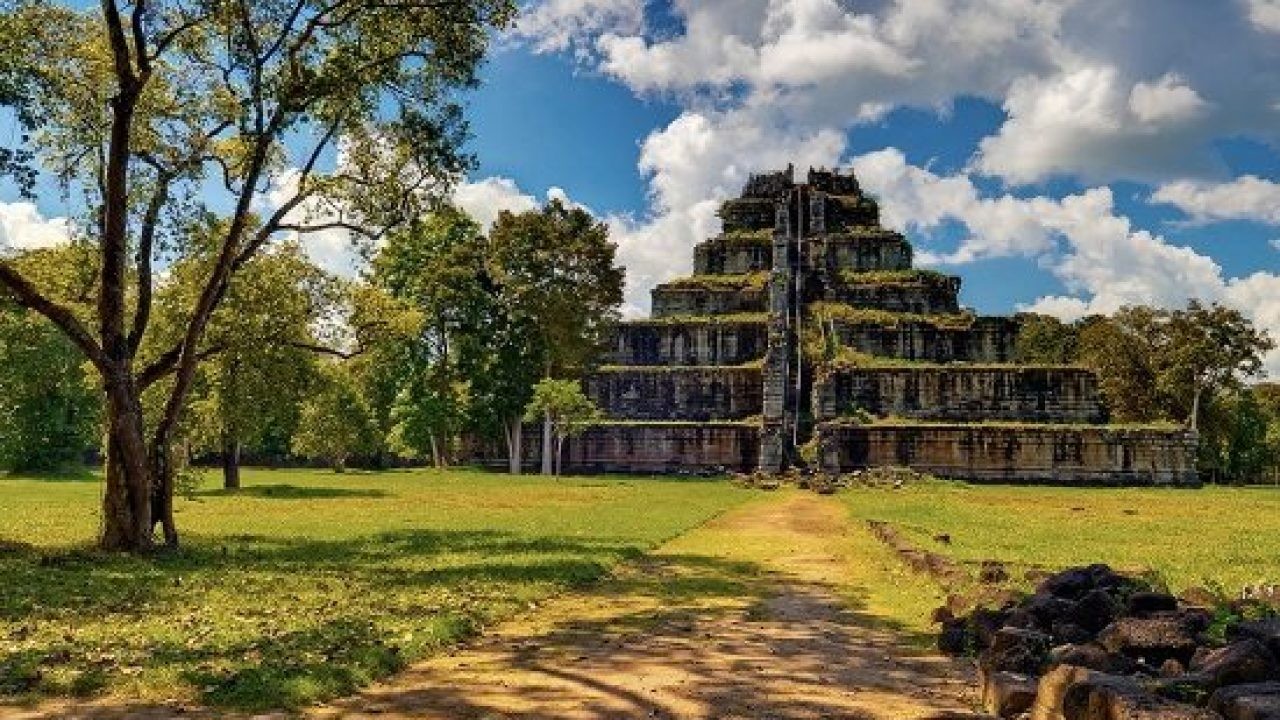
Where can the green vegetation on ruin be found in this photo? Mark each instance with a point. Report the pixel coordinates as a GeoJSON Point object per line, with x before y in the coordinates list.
{"type": "Point", "coordinates": [746, 238]}
{"type": "Point", "coordinates": [305, 585]}
{"type": "Point", "coordinates": [691, 369]}
{"type": "Point", "coordinates": [896, 421]}
{"type": "Point", "coordinates": [749, 281]}
{"type": "Point", "coordinates": [850, 315]}
{"type": "Point", "coordinates": [895, 277]}
{"type": "Point", "coordinates": [848, 359]}
{"type": "Point", "coordinates": [1216, 537]}
{"type": "Point", "coordinates": [729, 319]}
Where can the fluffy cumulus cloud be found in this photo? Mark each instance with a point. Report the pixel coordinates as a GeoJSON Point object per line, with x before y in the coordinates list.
{"type": "Point", "coordinates": [23, 227]}
{"type": "Point", "coordinates": [1093, 90]}
{"type": "Point", "coordinates": [1245, 198]}
{"type": "Point", "coordinates": [1103, 260]}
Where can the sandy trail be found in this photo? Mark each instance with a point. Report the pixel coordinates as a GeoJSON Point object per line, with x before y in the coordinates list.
{"type": "Point", "coordinates": [687, 634]}
{"type": "Point", "coordinates": [748, 616]}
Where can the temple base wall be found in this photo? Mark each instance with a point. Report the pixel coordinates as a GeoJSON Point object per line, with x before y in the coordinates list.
{"type": "Point", "coordinates": [961, 393]}
{"type": "Point", "coordinates": [664, 448]}
{"type": "Point", "coordinates": [1017, 455]}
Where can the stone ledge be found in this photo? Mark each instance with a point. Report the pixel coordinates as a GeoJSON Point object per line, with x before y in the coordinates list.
{"type": "Point", "coordinates": [1016, 454]}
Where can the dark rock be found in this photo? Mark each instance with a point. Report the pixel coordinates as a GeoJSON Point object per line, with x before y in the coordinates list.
{"type": "Point", "coordinates": [955, 638]}
{"type": "Point", "coordinates": [1153, 639]}
{"type": "Point", "coordinates": [985, 624]}
{"type": "Point", "coordinates": [1048, 609]}
{"type": "Point", "coordinates": [1108, 697]}
{"type": "Point", "coordinates": [1245, 661]}
{"type": "Point", "coordinates": [1145, 604]}
{"type": "Point", "coordinates": [1172, 668]}
{"type": "Point", "coordinates": [1006, 694]}
{"type": "Point", "coordinates": [1016, 650]}
{"type": "Point", "coordinates": [1248, 702]}
{"type": "Point", "coordinates": [1071, 584]}
{"type": "Point", "coordinates": [1094, 611]}
{"type": "Point", "coordinates": [1265, 631]}
{"type": "Point", "coordinates": [1200, 597]}
{"type": "Point", "coordinates": [1069, 632]}
{"type": "Point", "coordinates": [1091, 656]}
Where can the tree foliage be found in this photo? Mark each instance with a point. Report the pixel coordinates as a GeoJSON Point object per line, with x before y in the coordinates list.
{"type": "Point", "coordinates": [569, 411]}
{"type": "Point", "coordinates": [154, 114]}
{"type": "Point", "coordinates": [335, 422]}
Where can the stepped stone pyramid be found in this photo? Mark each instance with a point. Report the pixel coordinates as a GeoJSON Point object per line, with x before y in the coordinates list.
{"type": "Point", "coordinates": [806, 337]}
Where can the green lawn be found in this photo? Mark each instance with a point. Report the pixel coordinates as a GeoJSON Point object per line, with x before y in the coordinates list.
{"type": "Point", "coordinates": [1225, 537]}
{"type": "Point", "coordinates": [305, 585]}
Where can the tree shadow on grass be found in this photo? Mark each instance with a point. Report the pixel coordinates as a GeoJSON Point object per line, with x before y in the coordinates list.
{"type": "Point", "coordinates": [254, 622]}
{"type": "Point", "coordinates": [293, 492]}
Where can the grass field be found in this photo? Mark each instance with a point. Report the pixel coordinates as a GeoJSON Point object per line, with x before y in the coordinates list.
{"type": "Point", "coordinates": [305, 585]}
{"type": "Point", "coordinates": [1227, 538]}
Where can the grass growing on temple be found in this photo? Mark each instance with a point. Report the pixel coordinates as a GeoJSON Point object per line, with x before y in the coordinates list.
{"type": "Point", "coordinates": [1219, 538]}
{"type": "Point", "coordinates": [305, 585]}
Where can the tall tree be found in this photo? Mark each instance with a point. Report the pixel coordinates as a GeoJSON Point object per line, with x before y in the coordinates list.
{"type": "Point", "coordinates": [1209, 349]}
{"type": "Point", "coordinates": [335, 423]}
{"type": "Point", "coordinates": [558, 279]}
{"type": "Point", "coordinates": [1044, 340]}
{"type": "Point", "coordinates": [265, 362]}
{"type": "Point", "coordinates": [151, 111]}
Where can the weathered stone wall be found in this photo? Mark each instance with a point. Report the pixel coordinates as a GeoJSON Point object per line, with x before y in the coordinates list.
{"type": "Point", "coordinates": [1016, 454]}
{"type": "Point", "coordinates": [921, 298]}
{"type": "Point", "coordinates": [674, 301]}
{"type": "Point", "coordinates": [864, 251]}
{"type": "Point", "coordinates": [695, 393]}
{"type": "Point", "coordinates": [988, 340]}
{"type": "Point", "coordinates": [1054, 395]}
{"type": "Point", "coordinates": [664, 448]}
{"type": "Point", "coordinates": [694, 342]}
{"type": "Point", "coordinates": [731, 256]}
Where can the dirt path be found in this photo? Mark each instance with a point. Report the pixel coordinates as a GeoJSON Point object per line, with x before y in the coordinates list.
{"type": "Point", "coordinates": [761, 613]}
{"type": "Point", "coordinates": [742, 618]}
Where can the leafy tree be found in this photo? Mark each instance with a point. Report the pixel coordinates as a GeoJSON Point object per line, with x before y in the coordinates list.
{"type": "Point", "coordinates": [435, 265]}
{"type": "Point", "coordinates": [154, 112]}
{"type": "Point", "coordinates": [1122, 350]}
{"type": "Point", "coordinates": [1045, 340]}
{"type": "Point", "coordinates": [1234, 439]}
{"type": "Point", "coordinates": [335, 423]}
{"type": "Point", "coordinates": [557, 281]}
{"type": "Point", "coordinates": [1206, 350]}
{"type": "Point", "coordinates": [569, 410]}
{"type": "Point", "coordinates": [49, 410]}
{"type": "Point", "coordinates": [265, 362]}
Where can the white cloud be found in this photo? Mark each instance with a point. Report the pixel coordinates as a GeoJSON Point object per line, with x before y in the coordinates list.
{"type": "Point", "coordinates": [22, 227]}
{"type": "Point", "coordinates": [1265, 14]}
{"type": "Point", "coordinates": [1099, 89]}
{"type": "Point", "coordinates": [1245, 198]}
{"type": "Point", "coordinates": [1168, 100]}
{"type": "Point", "coordinates": [555, 25]}
{"type": "Point", "coordinates": [1103, 261]}
{"type": "Point", "coordinates": [484, 199]}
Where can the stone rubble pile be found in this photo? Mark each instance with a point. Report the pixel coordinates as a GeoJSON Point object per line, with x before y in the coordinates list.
{"type": "Point", "coordinates": [1093, 644]}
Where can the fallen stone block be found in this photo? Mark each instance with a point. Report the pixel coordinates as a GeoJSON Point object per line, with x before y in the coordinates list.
{"type": "Point", "coordinates": [1017, 650]}
{"type": "Point", "coordinates": [1153, 639]}
{"type": "Point", "coordinates": [1246, 661]}
{"type": "Point", "coordinates": [1108, 697]}
{"type": "Point", "coordinates": [1265, 631]}
{"type": "Point", "coordinates": [1144, 604]}
{"type": "Point", "coordinates": [1006, 694]}
{"type": "Point", "coordinates": [1248, 702]}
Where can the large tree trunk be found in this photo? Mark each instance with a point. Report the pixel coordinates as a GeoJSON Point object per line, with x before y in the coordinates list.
{"type": "Point", "coordinates": [127, 511]}
{"type": "Point", "coordinates": [230, 463]}
{"type": "Point", "coordinates": [548, 466]}
{"type": "Point", "coordinates": [515, 449]}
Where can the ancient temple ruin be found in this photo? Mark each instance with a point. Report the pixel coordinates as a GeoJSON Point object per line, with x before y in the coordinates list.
{"type": "Point", "coordinates": [806, 336]}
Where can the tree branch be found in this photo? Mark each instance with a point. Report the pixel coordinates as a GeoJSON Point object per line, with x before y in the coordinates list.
{"type": "Point", "coordinates": [29, 297]}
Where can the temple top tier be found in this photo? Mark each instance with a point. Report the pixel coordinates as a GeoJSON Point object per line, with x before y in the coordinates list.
{"type": "Point", "coordinates": [846, 205]}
